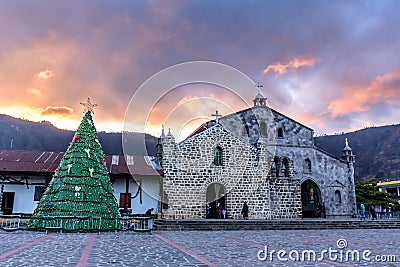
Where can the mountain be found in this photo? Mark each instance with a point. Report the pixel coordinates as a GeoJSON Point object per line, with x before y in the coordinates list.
{"type": "Point", "coordinates": [43, 136]}
{"type": "Point", "coordinates": [376, 149]}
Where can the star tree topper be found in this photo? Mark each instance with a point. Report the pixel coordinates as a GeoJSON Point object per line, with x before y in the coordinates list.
{"type": "Point", "coordinates": [88, 106]}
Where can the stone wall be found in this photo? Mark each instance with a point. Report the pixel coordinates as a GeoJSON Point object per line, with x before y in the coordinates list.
{"type": "Point", "coordinates": [248, 152]}
{"type": "Point", "coordinates": [329, 174]}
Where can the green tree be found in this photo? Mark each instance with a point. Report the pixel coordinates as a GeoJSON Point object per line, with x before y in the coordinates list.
{"type": "Point", "coordinates": [367, 192]}
{"type": "Point", "coordinates": [80, 192]}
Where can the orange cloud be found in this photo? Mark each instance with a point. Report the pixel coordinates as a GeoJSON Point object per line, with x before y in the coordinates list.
{"type": "Point", "coordinates": [295, 63]}
{"type": "Point", "coordinates": [383, 89]}
{"type": "Point", "coordinates": [46, 74]}
{"type": "Point", "coordinates": [34, 91]}
{"type": "Point", "coordinates": [50, 110]}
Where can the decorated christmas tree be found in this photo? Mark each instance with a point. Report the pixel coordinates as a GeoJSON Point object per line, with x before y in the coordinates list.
{"type": "Point", "coordinates": [80, 195]}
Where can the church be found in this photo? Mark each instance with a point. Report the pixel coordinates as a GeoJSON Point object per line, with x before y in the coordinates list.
{"type": "Point", "coordinates": [258, 156]}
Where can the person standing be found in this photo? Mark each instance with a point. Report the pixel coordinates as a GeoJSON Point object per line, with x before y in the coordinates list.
{"type": "Point", "coordinates": [149, 220]}
{"type": "Point", "coordinates": [323, 208]}
{"type": "Point", "coordinates": [245, 211]}
{"type": "Point", "coordinates": [362, 211]}
{"type": "Point", "coordinates": [319, 210]}
{"type": "Point", "coordinates": [219, 210]}
{"type": "Point", "coordinates": [207, 210]}
{"type": "Point", "coordinates": [373, 212]}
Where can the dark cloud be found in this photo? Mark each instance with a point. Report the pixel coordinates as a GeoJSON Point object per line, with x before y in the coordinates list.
{"type": "Point", "coordinates": [105, 50]}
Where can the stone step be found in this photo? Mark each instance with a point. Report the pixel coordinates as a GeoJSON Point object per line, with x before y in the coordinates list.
{"type": "Point", "coordinates": [217, 225]}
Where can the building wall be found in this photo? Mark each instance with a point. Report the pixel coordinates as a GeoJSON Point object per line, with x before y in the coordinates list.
{"type": "Point", "coordinates": [189, 170]}
{"type": "Point", "coordinates": [330, 175]}
{"type": "Point", "coordinates": [24, 197]}
{"type": "Point", "coordinates": [248, 154]}
{"type": "Point", "coordinates": [150, 193]}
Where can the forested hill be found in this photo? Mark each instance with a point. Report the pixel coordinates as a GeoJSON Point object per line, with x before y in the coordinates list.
{"type": "Point", "coordinates": [42, 136]}
{"type": "Point", "coordinates": [377, 150]}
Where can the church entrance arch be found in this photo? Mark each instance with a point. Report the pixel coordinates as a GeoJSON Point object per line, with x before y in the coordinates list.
{"type": "Point", "coordinates": [216, 201]}
{"type": "Point", "coordinates": [310, 198]}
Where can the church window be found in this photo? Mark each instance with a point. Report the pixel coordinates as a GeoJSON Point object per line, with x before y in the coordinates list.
{"type": "Point", "coordinates": [275, 166]}
{"type": "Point", "coordinates": [263, 128]}
{"type": "Point", "coordinates": [280, 133]}
{"type": "Point", "coordinates": [285, 167]}
{"type": "Point", "coordinates": [307, 165]}
{"type": "Point", "coordinates": [218, 156]}
{"type": "Point", "coordinates": [338, 197]}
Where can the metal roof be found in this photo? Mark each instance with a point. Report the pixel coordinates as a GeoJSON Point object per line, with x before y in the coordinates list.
{"type": "Point", "coordinates": [46, 162]}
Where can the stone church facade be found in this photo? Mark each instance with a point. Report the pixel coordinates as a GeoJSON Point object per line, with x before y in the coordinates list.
{"type": "Point", "coordinates": [258, 156]}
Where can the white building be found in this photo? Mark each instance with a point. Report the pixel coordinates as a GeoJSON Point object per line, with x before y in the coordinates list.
{"type": "Point", "coordinates": [24, 175]}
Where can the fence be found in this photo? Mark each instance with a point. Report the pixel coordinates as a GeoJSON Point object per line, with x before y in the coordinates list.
{"type": "Point", "coordinates": [76, 223]}
{"type": "Point", "coordinates": [138, 224]}
{"type": "Point", "coordinates": [10, 222]}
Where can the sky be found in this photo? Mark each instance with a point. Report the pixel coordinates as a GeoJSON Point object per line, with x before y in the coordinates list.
{"type": "Point", "coordinates": [332, 65]}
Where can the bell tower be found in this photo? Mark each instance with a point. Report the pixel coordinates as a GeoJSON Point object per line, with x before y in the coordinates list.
{"type": "Point", "coordinates": [348, 153]}
{"type": "Point", "coordinates": [259, 100]}
{"type": "Point", "coordinates": [350, 159]}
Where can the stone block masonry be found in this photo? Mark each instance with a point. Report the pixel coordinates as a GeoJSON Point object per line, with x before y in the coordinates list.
{"type": "Point", "coordinates": [266, 157]}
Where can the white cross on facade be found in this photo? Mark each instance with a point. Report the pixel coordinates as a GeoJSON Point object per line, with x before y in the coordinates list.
{"type": "Point", "coordinates": [216, 115]}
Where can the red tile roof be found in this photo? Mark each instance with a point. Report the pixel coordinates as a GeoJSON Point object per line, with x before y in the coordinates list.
{"type": "Point", "coordinates": [46, 162]}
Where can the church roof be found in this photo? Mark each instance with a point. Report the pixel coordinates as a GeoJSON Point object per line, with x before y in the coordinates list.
{"type": "Point", "coordinates": [199, 129]}
{"type": "Point", "coordinates": [259, 96]}
{"type": "Point", "coordinates": [210, 123]}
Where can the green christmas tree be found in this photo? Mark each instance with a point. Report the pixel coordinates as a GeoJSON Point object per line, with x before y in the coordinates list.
{"type": "Point", "coordinates": [80, 195]}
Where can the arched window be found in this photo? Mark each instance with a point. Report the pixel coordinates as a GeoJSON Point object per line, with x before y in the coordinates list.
{"type": "Point", "coordinates": [275, 166]}
{"type": "Point", "coordinates": [263, 128]}
{"type": "Point", "coordinates": [307, 165]}
{"type": "Point", "coordinates": [246, 130]}
{"type": "Point", "coordinates": [218, 156]}
{"type": "Point", "coordinates": [285, 167]}
{"type": "Point", "coordinates": [280, 133]}
{"type": "Point", "coordinates": [338, 197]}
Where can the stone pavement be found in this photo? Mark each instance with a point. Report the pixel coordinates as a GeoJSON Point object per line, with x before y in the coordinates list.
{"type": "Point", "coordinates": [199, 248]}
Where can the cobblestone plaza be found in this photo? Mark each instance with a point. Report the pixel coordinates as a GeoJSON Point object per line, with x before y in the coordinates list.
{"type": "Point", "coordinates": [201, 248]}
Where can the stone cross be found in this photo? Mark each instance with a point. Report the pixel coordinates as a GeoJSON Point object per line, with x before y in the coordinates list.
{"type": "Point", "coordinates": [216, 116]}
{"type": "Point", "coordinates": [259, 85]}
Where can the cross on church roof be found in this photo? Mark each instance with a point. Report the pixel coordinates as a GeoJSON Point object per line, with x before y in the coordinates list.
{"type": "Point", "coordinates": [216, 116]}
{"type": "Point", "coordinates": [88, 106]}
{"type": "Point", "coordinates": [259, 85]}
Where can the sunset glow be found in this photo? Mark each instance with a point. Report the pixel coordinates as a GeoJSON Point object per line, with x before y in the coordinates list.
{"type": "Point", "coordinates": [334, 68]}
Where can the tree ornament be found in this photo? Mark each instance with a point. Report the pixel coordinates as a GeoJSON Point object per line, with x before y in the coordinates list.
{"type": "Point", "coordinates": [91, 172]}
{"type": "Point", "coordinates": [87, 150]}
{"type": "Point", "coordinates": [77, 189]}
{"type": "Point", "coordinates": [69, 168]}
